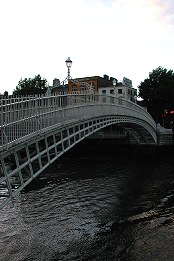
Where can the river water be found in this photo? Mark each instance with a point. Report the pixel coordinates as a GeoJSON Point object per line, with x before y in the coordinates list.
{"type": "Point", "coordinates": [94, 206]}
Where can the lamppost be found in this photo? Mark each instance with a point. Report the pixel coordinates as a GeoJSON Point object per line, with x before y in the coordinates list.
{"type": "Point", "coordinates": [48, 92]}
{"type": "Point", "coordinates": [68, 64]}
{"type": "Point", "coordinates": [114, 82]}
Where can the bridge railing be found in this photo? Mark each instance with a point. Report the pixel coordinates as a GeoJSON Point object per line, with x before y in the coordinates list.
{"type": "Point", "coordinates": [25, 116]}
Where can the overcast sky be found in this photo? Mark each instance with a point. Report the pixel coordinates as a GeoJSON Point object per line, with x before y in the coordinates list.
{"type": "Point", "coordinates": [120, 38]}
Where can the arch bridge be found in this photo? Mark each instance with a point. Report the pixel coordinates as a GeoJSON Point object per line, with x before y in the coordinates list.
{"type": "Point", "coordinates": [35, 131]}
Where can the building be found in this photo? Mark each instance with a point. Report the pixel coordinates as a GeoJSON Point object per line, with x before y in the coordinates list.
{"type": "Point", "coordinates": [89, 84]}
{"type": "Point", "coordinates": [123, 90]}
{"type": "Point", "coordinates": [58, 87]}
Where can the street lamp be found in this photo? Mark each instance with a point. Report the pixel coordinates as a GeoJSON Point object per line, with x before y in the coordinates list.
{"type": "Point", "coordinates": [48, 92]}
{"type": "Point", "coordinates": [114, 82]}
{"type": "Point", "coordinates": [68, 64]}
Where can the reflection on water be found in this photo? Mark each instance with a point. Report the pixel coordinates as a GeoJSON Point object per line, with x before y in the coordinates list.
{"type": "Point", "coordinates": [93, 208]}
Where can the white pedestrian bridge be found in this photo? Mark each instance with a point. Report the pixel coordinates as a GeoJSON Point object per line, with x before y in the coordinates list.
{"type": "Point", "coordinates": [35, 131]}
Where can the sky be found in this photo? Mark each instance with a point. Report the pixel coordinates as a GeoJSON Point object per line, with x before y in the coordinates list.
{"type": "Point", "coordinates": [120, 38]}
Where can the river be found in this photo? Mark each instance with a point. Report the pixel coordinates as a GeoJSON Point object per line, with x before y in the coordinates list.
{"type": "Point", "coordinates": [103, 206]}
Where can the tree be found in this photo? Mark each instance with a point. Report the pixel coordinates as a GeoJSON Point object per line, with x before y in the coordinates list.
{"type": "Point", "coordinates": [31, 86]}
{"type": "Point", "coordinates": [157, 92]}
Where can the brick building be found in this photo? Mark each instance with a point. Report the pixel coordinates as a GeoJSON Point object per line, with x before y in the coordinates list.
{"type": "Point", "coordinates": [89, 84]}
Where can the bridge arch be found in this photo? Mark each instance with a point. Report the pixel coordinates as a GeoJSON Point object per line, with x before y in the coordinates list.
{"type": "Point", "coordinates": [27, 156]}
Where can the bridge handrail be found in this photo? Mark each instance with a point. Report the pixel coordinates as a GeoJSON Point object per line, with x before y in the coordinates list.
{"type": "Point", "coordinates": [32, 114]}
{"type": "Point", "coordinates": [32, 104]}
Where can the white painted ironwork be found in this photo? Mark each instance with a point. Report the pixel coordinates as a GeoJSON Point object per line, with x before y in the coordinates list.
{"type": "Point", "coordinates": [35, 131]}
{"type": "Point", "coordinates": [23, 117]}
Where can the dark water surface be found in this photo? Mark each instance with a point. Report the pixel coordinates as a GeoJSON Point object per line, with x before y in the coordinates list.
{"type": "Point", "coordinates": [99, 208]}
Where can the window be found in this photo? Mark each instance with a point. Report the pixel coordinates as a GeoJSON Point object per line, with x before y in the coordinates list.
{"type": "Point", "coordinates": [74, 88]}
{"type": "Point", "coordinates": [112, 91]}
{"type": "Point", "coordinates": [103, 91]}
{"type": "Point", "coordinates": [83, 87]}
{"type": "Point", "coordinates": [119, 91]}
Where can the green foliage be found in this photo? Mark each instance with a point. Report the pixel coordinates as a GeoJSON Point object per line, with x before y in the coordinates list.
{"type": "Point", "coordinates": [157, 92]}
{"type": "Point", "coordinates": [31, 86]}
